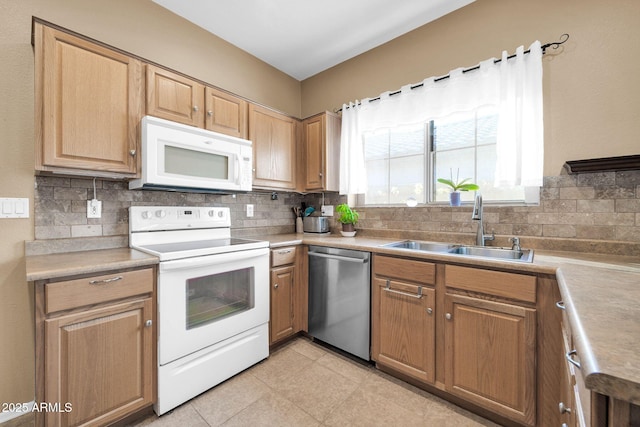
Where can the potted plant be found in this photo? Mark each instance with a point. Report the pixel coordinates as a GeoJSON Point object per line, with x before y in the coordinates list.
{"type": "Point", "coordinates": [348, 218]}
{"type": "Point", "coordinates": [457, 186]}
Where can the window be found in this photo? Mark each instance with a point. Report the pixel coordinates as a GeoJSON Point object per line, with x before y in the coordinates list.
{"type": "Point", "coordinates": [396, 165]}
{"type": "Point", "coordinates": [405, 162]}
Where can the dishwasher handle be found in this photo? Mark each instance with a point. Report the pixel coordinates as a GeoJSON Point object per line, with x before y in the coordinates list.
{"type": "Point", "coordinates": [339, 257]}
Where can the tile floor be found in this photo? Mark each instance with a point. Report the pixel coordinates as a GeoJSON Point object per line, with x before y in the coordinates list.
{"type": "Point", "coordinates": [305, 384]}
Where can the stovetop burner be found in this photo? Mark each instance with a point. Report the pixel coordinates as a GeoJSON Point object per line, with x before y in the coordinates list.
{"type": "Point", "coordinates": [172, 232]}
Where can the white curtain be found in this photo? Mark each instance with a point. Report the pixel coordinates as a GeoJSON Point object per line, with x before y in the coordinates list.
{"type": "Point", "coordinates": [353, 176]}
{"type": "Point", "coordinates": [514, 86]}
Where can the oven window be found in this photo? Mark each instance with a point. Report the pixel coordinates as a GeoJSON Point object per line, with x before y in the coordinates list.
{"type": "Point", "coordinates": [211, 298]}
{"type": "Point", "coordinates": [181, 161]}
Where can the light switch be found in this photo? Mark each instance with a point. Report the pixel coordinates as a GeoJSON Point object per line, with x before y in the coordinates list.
{"type": "Point", "coordinates": [14, 208]}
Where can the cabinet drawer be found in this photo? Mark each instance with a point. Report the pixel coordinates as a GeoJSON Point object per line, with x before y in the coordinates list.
{"type": "Point", "coordinates": [97, 289]}
{"type": "Point", "coordinates": [406, 269]}
{"type": "Point", "coordinates": [498, 283]}
{"type": "Point", "coordinates": [283, 256]}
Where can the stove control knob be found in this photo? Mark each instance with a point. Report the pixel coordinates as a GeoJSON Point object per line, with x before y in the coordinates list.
{"type": "Point", "coordinates": [160, 213]}
{"type": "Point", "coordinates": [146, 214]}
{"type": "Point", "coordinates": [212, 213]}
{"type": "Point", "coordinates": [221, 214]}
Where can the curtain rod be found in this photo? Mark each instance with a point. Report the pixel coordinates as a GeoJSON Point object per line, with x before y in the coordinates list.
{"type": "Point", "coordinates": [544, 47]}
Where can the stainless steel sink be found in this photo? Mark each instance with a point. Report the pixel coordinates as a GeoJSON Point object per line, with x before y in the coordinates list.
{"type": "Point", "coordinates": [421, 246]}
{"type": "Point", "coordinates": [523, 255]}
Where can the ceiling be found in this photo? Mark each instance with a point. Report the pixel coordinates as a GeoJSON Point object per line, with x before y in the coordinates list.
{"type": "Point", "coordinates": [301, 37]}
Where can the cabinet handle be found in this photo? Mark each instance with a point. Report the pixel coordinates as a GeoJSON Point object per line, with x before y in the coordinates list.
{"type": "Point", "coordinates": [569, 357]}
{"type": "Point", "coordinates": [560, 305]}
{"type": "Point", "coordinates": [132, 152]}
{"type": "Point", "coordinates": [429, 311]}
{"type": "Point", "coordinates": [209, 113]}
{"type": "Point", "coordinates": [105, 281]}
{"type": "Point", "coordinates": [195, 108]}
{"type": "Point", "coordinates": [275, 286]}
{"type": "Point", "coordinates": [406, 294]}
{"type": "Point", "coordinates": [564, 409]}
{"type": "Point", "coordinates": [284, 251]}
{"type": "Point", "coordinates": [148, 323]}
{"type": "Point", "coordinates": [448, 316]}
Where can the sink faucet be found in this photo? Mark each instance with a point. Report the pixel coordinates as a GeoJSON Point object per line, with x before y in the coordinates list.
{"type": "Point", "coordinates": [481, 238]}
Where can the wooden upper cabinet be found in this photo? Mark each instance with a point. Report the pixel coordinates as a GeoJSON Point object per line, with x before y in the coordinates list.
{"type": "Point", "coordinates": [180, 99]}
{"type": "Point", "coordinates": [322, 149]}
{"type": "Point", "coordinates": [226, 113]}
{"type": "Point", "coordinates": [174, 97]}
{"type": "Point", "coordinates": [274, 148]}
{"type": "Point", "coordinates": [89, 102]}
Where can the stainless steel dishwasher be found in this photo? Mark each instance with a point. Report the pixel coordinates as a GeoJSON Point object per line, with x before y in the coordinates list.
{"type": "Point", "coordinates": [340, 298]}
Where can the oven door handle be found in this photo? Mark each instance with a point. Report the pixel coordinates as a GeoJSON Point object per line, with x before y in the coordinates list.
{"type": "Point", "coordinates": [213, 260]}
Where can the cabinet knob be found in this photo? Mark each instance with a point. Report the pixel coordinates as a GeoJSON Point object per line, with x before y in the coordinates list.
{"type": "Point", "coordinates": [132, 152]}
{"type": "Point", "coordinates": [429, 311]}
{"type": "Point", "coordinates": [560, 305]}
{"type": "Point", "coordinates": [195, 108]}
{"type": "Point", "coordinates": [448, 316]}
{"type": "Point", "coordinates": [275, 286]}
{"type": "Point", "coordinates": [148, 323]}
{"type": "Point", "coordinates": [320, 174]}
{"type": "Point", "coordinates": [209, 113]}
{"type": "Point", "coordinates": [563, 409]}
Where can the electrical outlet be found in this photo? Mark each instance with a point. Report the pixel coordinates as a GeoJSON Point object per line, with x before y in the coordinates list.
{"type": "Point", "coordinates": [326, 210]}
{"type": "Point", "coordinates": [249, 211]}
{"type": "Point", "coordinates": [94, 208]}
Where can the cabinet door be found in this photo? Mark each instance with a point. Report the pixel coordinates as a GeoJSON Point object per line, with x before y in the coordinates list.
{"type": "Point", "coordinates": [89, 102]}
{"type": "Point", "coordinates": [405, 332]}
{"type": "Point", "coordinates": [314, 139]}
{"type": "Point", "coordinates": [101, 362]}
{"type": "Point", "coordinates": [281, 320]}
{"type": "Point", "coordinates": [490, 355]}
{"type": "Point", "coordinates": [226, 113]}
{"type": "Point", "coordinates": [321, 136]}
{"type": "Point", "coordinates": [174, 97]}
{"type": "Point", "coordinates": [274, 148]}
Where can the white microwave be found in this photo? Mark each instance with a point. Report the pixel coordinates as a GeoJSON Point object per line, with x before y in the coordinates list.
{"type": "Point", "coordinates": [178, 157]}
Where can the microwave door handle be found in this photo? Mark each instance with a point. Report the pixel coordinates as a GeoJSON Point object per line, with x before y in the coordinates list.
{"type": "Point", "coordinates": [237, 172]}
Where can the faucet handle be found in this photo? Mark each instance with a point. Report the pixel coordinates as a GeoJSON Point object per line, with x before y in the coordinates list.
{"type": "Point", "coordinates": [516, 243]}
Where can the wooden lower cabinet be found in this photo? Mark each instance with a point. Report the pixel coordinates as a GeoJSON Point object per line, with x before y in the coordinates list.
{"type": "Point", "coordinates": [95, 347]}
{"type": "Point", "coordinates": [289, 293]}
{"type": "Point", "coordinates": [466, 333]}
{"type": "Point", "coordinates": [403, 305]}
{"type": "Point", "coordinates": [491, 355]}
{"type": "Point", "coordinates": [98, 362]}
{"type": "Point", "coordinates": [407, 328]}
{"type": "Point", "coordinates": [281, 320]}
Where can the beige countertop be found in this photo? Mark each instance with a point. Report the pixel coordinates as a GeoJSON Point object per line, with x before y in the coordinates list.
{"type": "Point", "coordinates": [601, 293]}
{"type": "Point", "coordinates": [54, 266]}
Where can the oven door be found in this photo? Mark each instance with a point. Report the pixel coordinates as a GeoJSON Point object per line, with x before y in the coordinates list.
{"type": "Point", "coordinates": [205, 300]}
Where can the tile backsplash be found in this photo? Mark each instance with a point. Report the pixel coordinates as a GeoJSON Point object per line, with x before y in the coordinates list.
{"type": "Point", "coordinates": [590, 212]}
